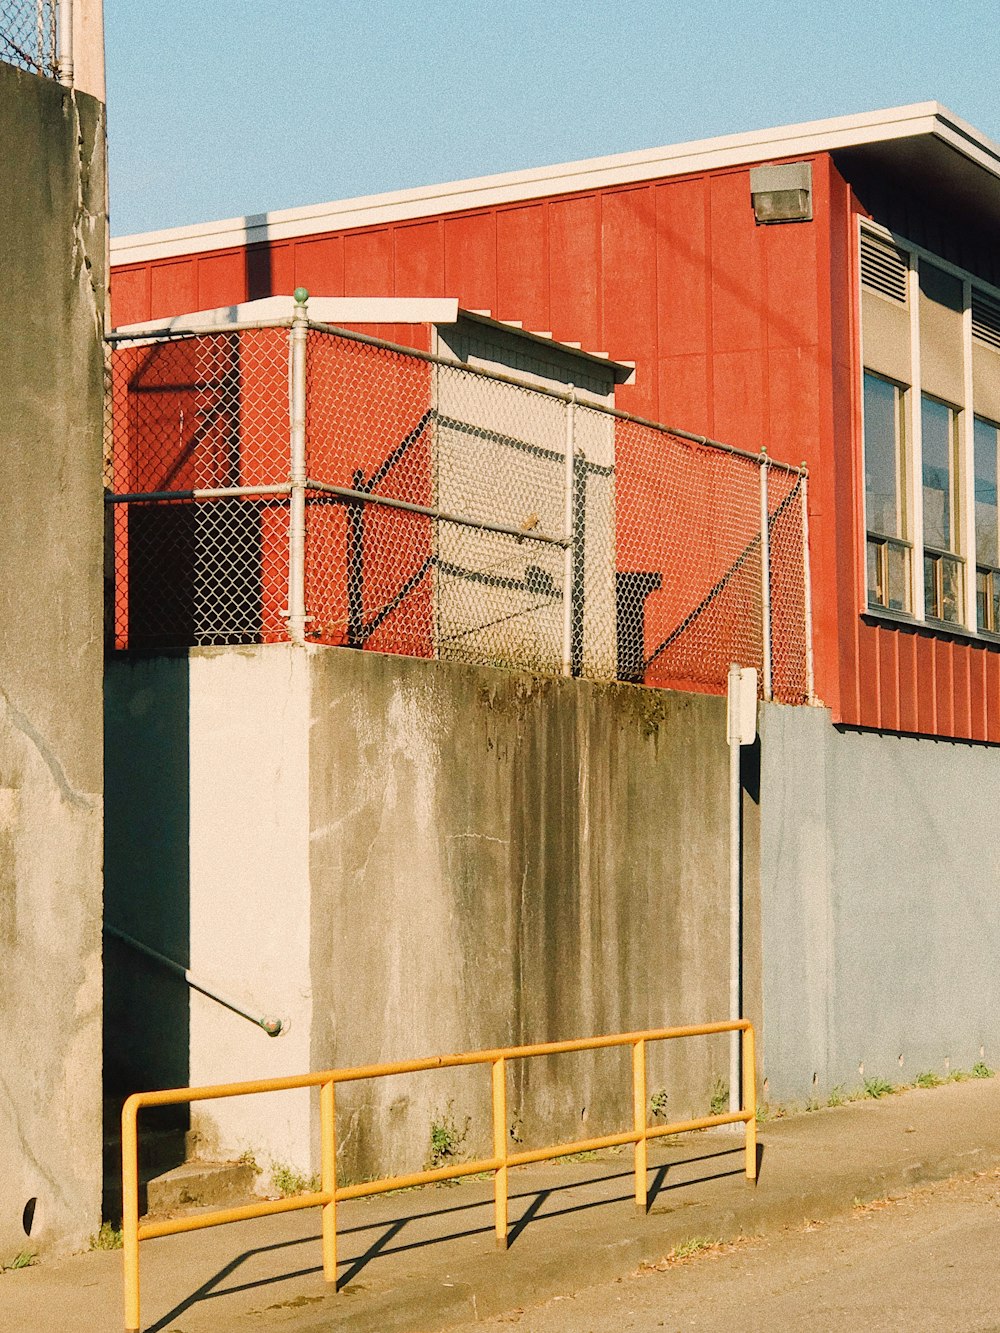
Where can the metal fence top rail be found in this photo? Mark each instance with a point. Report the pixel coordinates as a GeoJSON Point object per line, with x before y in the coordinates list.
{"type": "Point", "coordinates": [212, 1092]}
{"type": "Point", "coordinates": [153, 336]}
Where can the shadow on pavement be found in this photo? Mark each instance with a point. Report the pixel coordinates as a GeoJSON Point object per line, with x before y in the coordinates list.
{"type": "Point", "coordinates": [390, 1230]}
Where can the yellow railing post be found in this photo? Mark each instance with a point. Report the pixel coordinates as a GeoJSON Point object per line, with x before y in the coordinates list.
{"type": "Point", "coordinates": [130, 1214]}
{"type": "Point", "coordinates": [328, 1178]}
{"type": "Point", "coordinates": [639, 1120]}
{"type": "Point", "coordinates": [750, 1101]}
{"type": "Point", "coordinates": [500, 1150]}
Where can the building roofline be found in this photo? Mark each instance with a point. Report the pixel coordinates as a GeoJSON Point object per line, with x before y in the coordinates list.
{"type": "Point", "coordinates": [921, 118]}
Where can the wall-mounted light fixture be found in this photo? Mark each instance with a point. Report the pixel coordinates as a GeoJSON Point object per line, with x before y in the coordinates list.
{"type": "Point", "coordinates": [782, 193]}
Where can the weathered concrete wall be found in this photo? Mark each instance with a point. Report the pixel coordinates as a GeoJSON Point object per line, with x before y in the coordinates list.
{"type": "Point", "coordinates": [208, 864]}
{"type": "Point", "coordinates": [52, 247]}
{"type": "Point", "coordinates": [880, 930]}
{"type": "Point", "coordinates": [499, 859]}
{"type": "Point", "coordinates": [407, 858]}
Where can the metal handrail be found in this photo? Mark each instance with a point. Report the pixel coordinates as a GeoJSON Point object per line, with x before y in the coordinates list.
{"type": "Point", "coordinates": [330, 1194]}
{"type": "Point", "coordinates": [272, 1026]}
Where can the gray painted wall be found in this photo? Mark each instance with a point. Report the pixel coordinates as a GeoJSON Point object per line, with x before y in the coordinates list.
{"type": "Point", "coordinates": [52, 244]}
{"type": "Point", "coordinates": [879, 889]}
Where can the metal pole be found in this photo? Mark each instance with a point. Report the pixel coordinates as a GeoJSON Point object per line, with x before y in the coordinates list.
{"type": "Point", "coordinates": [567, 654]}
{"type": "Point", "coordinates": [297, 476]}
{"type": "Point", "coordinates": [499, 1074]}
{"type": "Point", "coordinates": [328, 1179]}
{"type": "Point", "coordinates": [130, 1214]}
{"type": "Point", "coordinates": [765, 575]}
{"type": "Point", "coordinates": [750, 1102]}
{"type": "Point", "coordinates": [639, 1122]}
{"type": "Point", "coordinates": [735, 904]}
{"type": "Point", "coordinates": [64, 43]}
{"type": "Point", "coordinates": [807, 591]}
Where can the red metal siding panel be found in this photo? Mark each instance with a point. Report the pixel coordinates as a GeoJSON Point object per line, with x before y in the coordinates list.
{"type": "Point", "coordinates": [470, 260]}
{"type": "Point", "coordinates": [319, 265]}
{"type": "Point", "coordinates": [628, 240]}
{"type": "Point", "coordinates": [173, 289]}
{"type": "Point", "coordinates": [927, 716]}
{"type": "Point", "coordinates": [368, 263]}
{"type": "Point", "coordinates": [522, 266]}
{"type": "Point", "coordinates": [868, 667]}
{"type": "Point", "coordinates": [130, 294]}
{"type": "Point", "coordinates": [962, 722]}
{"type": "Point", "coordinates": [574, 268]}
{"type": "Point", "coordinates": [683, 392]}
{"type": "Point", "coordinates": [992, 674]}
{"type": "Point", "coordinates": [741, 411]}
{"type": "Point", "coordinates": [906, 648]}
{"type": "Point", "coordinates": [977, 691]}
{"type": "Point", "coordinates": [221, 279]}
{"type": "Point", "coordinates": [682, 272]}
{"type": "Point", "coordinates": [944, 686]}
{"type": "Point", "coordinates": [419, 260]}
{"type": "Point", "coordinates": [737, 260]}
{"type": "Point", "coordinates": [888, 678]}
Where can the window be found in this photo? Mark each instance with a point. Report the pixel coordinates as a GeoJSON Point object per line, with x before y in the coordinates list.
{"type": "Point", "coordinates": [986, 438]}
{"type": "Point", "coordinates": [885, 492]}
{"type": "Point", "coordinates": [930, 335]}
{"type": "Point", "coordinates": [944, 587]}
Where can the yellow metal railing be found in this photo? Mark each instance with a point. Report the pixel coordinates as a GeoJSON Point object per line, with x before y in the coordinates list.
{"type": "Point", "coordinates": [330, 1194]}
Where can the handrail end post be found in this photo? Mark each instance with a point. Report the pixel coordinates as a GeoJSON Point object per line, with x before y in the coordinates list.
{"type": "Point", "coordinates": [750, 1101]}
{"type": "Point", "coordinates": [639, 1124]}
{"type": "Point", "coordinates": [499, 1087]}
{"type": "Point", "coordinates": [328, 1178]}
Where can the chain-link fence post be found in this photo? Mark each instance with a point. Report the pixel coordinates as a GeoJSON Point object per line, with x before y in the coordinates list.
{"type": "Point", "coordinates": [64, 42]}
{"type": "Point", "coordinates": [765, 575]}
{"type": "Point", "coordinates": [297, 476]}
{"type": "Point", "coordinates": [807, 587]}
{"type": "Point", "coordinates": [569, 526]}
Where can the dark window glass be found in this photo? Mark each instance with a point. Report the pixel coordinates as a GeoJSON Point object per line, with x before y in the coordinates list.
{"type": "Point", "coordinates": [883, 457]}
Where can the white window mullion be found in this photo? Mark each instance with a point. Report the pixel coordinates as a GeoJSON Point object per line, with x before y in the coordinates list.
{"type": "Point", "coordinates": [916, 479]}
{"type": "Point", "coordinates": [967, 480]}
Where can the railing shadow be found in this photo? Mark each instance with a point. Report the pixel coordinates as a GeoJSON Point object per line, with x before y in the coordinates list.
{"type": "Point", "coordinates": [389, 1230]}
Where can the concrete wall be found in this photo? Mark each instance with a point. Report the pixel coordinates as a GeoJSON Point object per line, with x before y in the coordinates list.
{"type": "Point", "coordinates": [500, 859]}
{"type": "Point", "coordinates": [406, 858]}
{"type": "Point", "coordinates": [880, 931]}
{"type": "Point", "coordinates": [52, 246]}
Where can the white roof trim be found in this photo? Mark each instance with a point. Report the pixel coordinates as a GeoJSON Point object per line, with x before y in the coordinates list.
{"type": "Point", "coordinates": [340, 310]}
{"type": "Point", "coordinates": [815, 136]}
{"type": "Point", "coordinates": [325, 309]}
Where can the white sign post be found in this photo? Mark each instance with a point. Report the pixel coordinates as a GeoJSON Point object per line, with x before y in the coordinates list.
{"type": "Point", "coordinates": [741, 729]}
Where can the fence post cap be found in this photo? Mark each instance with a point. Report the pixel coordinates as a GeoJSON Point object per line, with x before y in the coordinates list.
{"type": "Point", "coordinates": [300, 296]}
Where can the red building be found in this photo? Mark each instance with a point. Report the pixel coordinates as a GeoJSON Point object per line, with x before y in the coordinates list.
{"type": "Point", "coordinates": [830, 291]}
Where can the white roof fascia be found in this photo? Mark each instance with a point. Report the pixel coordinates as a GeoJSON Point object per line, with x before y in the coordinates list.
{"type": "Point", "coordinates": [324, 309]}
{"type": "Point", "coordinates": [922, 118]}
{"type": "Point", "coordinates": [340, 310]}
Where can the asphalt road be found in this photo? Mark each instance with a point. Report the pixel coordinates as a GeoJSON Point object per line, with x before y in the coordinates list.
{"type": "Point", "coordinates": [929, 1259]}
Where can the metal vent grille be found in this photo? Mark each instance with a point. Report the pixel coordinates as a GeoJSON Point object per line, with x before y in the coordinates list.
{"type": "Point", "coordinates": [986, 318]}
{"type": "Point", "coordinates": [884, 268]}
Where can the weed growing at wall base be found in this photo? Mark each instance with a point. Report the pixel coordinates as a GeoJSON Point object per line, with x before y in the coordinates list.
{"type": "Point", "coordinates": [286, 1181]}
{"type": "Point", "coordinates": [108, 1238]}
{"type": "Point", "coordinates": [447, 1138]}
{"type": "Point", "coordinates": [23, 1260]}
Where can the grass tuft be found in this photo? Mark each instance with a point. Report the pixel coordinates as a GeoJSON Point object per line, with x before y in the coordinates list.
{"type": "Point", "coordinates": [108, 1238]}
{"type": "Point", "coordinates": [286, 1181]}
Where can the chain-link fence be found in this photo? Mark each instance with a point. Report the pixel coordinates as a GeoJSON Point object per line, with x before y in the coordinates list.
{"type": "Point", "coordinates": [28, 35]}
{"type": "Point", "coordinates": [298, 482]}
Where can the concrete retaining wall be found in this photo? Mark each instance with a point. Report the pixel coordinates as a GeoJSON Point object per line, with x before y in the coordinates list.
{"type": "Point", "coordinates": [51, 366]}
{"type": "Point", "coordinates": [407, 858]}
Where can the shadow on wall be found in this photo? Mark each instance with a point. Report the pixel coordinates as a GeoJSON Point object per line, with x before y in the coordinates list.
{"type": "Point", "coordinates": [147, 878]}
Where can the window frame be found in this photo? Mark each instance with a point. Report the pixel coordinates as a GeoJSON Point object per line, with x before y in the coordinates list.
{"type": "Point", "coordinates": [882, 543]}
{"type": "Point", "coordinates": [965, 535]}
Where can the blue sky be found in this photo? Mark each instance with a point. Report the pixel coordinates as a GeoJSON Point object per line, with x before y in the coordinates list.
{"type": "Point", "coordinates": [220, 108]}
